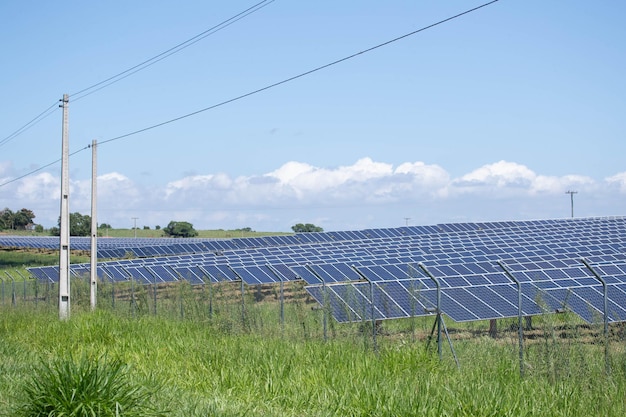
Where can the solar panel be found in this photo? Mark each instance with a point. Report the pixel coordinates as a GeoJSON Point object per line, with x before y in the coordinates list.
{"type": "Point", "coordinates": [543, 254]}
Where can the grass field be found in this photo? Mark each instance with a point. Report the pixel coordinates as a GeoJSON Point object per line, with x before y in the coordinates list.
{"type": "Point", "coordinates": [196, 365]}
{"type": "Point", "coordinates": [212, 352]}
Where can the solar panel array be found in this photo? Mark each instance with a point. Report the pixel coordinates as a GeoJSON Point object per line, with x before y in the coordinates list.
{"type": "Point", "coordinates": [111, 247]}
{"type": "Point", "coordinates": [393, 273]}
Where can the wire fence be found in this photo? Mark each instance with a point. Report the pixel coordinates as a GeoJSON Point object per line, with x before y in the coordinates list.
{"type": "Point", "coordinates": [551, 344]}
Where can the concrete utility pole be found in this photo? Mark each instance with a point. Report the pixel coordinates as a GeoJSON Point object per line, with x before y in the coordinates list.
{"type": "Point", "coordinates": [571, 193]}
{"type": "Point", "coordinates": [406, 220]}
{"type": "Point", "coordinates": [135, 225]}
{"type": "Point", "coordinates": [94, 225]}
{"type": "Point", "coordinates": [64, 249]}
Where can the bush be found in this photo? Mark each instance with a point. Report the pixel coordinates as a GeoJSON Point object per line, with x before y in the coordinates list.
{"type": "Point", "coordinates": [87, 388]}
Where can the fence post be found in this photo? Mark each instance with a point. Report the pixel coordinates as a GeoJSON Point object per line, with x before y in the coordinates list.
{"type": "Point", "coordinates": [133, 304]}
{"type": "Point", "coordinates": [207, 275]}
{"type": "Point", "coordinates": [605, 313]}
{"type": "Point", "coordinates": [326, 305]}
{"type": "Point", "coordinates": [282, 297]}
{"type": "Point", "coordinates": [520, 330]}
{"type": "Point", "coordinates": [155, 288]}
{"type": "Point", "coordinates": [372, 307]}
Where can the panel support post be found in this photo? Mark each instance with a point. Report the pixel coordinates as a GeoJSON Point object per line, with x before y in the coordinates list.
{"type": "Point", "coordinates": [439, 319]}
{"type": "Point", "coordinates": [94, 227]}
{"type": "Point", "coordinates": [605, 313]}
{"type": "Point", "coordinates": [520, 329]}
{"type": "Point", "coordinates": [64, 248]}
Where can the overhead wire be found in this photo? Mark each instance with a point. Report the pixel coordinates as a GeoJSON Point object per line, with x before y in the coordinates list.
{"type": "Point", "coordinates": [42, 167]}
{"type": "Point", "coordinates": [130, 71]}
{"type": "Point", "coordinates": [47, 112]}
{"type": "Point", "coordinates": [295, 77]}
{"type": "Point", "coordinates": [303, 74]}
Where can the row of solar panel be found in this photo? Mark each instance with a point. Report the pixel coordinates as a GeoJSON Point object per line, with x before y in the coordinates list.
{"type": "Point", "coordinates": [408, 249]}
{"type": "Point", "coordinates": [410, 290]}
{"type": "Point", "coordinates": [493, 295]}
{"type": "Point", "coordinates": [544, 258]}
{"type": "Point", "coordinates": [148, 247]}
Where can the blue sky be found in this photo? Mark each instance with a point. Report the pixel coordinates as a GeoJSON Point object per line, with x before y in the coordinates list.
{"type": "Point", "coordinates": [490, 116]}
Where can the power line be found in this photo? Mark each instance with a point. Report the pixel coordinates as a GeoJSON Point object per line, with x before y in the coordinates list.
{"type": "Point", "coordinates": [42, 167]}
{"type": "Point", "coordinates": [47, 112]}
{"type": "Point", "coordinates": [266, 87]}
{"type": "Point", "coordinates": [296, 76]}
{"type": "Point", "coordinates": [145, 64]}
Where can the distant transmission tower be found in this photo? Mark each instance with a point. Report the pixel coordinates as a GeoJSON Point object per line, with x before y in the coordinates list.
{"type": "Point", "coordinates": [571, 193]}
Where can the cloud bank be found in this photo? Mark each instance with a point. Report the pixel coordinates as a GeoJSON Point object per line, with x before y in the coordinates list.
{"type": "Point", "coordinates": [362, 195]}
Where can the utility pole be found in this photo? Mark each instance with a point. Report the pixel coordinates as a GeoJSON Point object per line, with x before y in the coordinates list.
{"type": "Point", "coordinates": [94, 225]}
{"type": "Point", "coordinates": [135, 225]}
{"type": "Point", "coordinates": [406, 219]}
{"type": "Point", "coordinates": [571, 193]}
{"type": "Point", "coordinates": [64, 249]}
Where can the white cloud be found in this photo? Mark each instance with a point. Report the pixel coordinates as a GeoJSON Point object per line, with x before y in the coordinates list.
{"type": "Point", "coordinates": [510, 178]}
{"type": "Point", "coordinates": [501, 174]}
{"type": "Point", "coordinates": [42, 186]}
{"type": "Point", "coordinates": [364, 194]}
{"type": "Point", "coordinates": [303, 178]}
{"type": "Point", "coordinates": [618, 180]}
{"type": "Point", "coordinates": [5, 169]}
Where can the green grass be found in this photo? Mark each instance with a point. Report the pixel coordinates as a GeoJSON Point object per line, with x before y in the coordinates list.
{"type": "Point", "coordinates": [196, 366]}
{"type": "Point", "coordinates": [15, 261]}
{"type": "Point", "coordinates": [87, 387]}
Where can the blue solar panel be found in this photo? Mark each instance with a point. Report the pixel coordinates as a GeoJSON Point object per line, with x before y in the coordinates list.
{"type": "Point", "coordinates": [463, 258]}
{"type": "Point", "coordinates": [190, 274]}
{"type": "Point", "coordinates": [253, 275]}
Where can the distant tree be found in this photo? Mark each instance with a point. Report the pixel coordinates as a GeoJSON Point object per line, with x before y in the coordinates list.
{"type": "Point", "coordinates": [180, 229]}
{"type": "Point", "coordinates": [38, 228]}
{"type": "Point", "coordinates": [6, 219]}
{"type": "Point", "coordinates": [157, 227]}
{"type": "Point", "coordinates": [105, 226]}
{"type": "Point", "coordinates": [146, 228]}
{"type": "Point", "coordinates": [19, 220]}
{"type": "Point", "coordinates": [80, 225]}
{"type": "Point", "coordinates": [303, 228]}
{"type": "Point", "coordinates": [23, 218]}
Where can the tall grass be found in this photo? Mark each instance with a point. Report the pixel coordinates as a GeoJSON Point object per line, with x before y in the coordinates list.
{"type": "Point", "coordinates": [224, 367]}
{"type": "Point", "coordinates": [88, 387]}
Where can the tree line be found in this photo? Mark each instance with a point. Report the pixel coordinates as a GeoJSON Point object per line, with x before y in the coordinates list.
{"type": "Point", "coordinates": [18, 220]}
{"type": "Point", "coordinates": [80, 225]}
